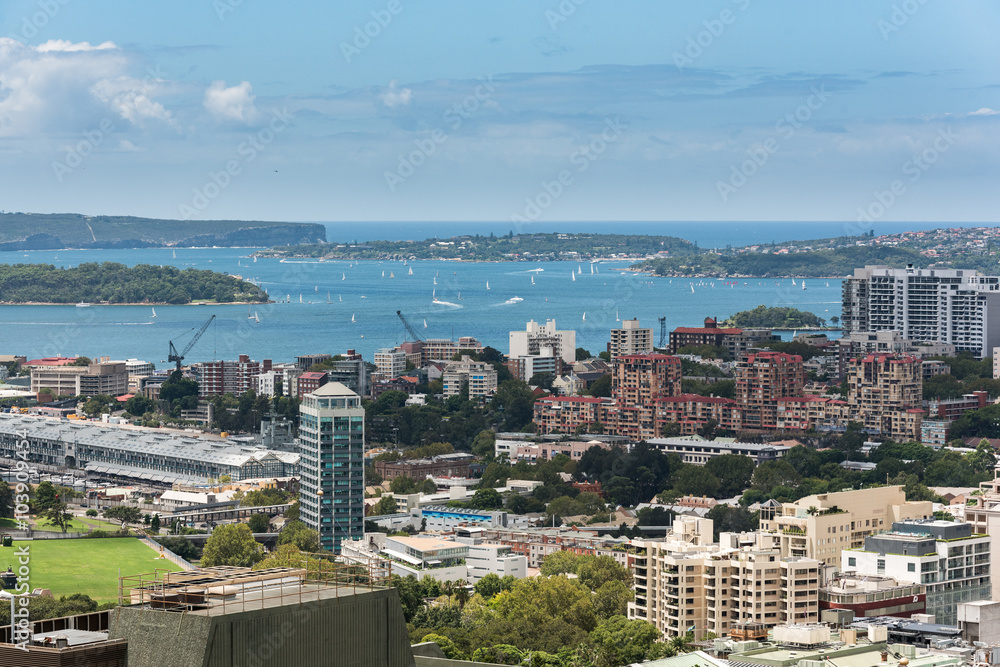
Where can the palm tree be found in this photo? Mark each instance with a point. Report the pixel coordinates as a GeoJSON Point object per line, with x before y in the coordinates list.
{"type": "Point", "coordinates": [461, 592]}
{"type": "Point", "coordinates": [682, 643]}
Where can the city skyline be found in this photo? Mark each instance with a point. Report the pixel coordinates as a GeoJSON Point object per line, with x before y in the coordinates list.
{"type": "Point", "coordinates": [395, 111]}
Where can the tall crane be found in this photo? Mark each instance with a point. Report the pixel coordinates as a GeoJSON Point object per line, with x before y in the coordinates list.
{"type": "Point", "coordinates": [409, 329]}
{"type": "Point", "coordinates": [663, 332]}
{"type": "Point", "coordinates": [174, 356]}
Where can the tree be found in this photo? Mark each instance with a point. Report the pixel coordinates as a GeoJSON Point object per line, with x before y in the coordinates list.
{"type": "Point", "coordinates": [488, 586]}
{"type": "Point", "coordinates": [486, 499]}
{"type": "Point", "coordinates": [259, 523]}
{"type": "Point", "coordinates": [485, 444]}
{"type": "Point", "coordinates": [559, 562]}
{"type": "Point", "coordinates": [385, 505]}
{"type": "Point", "coordinates": [301, 536]}
{"type": "Point", "coordinates": [428, 486]}
{"type": "Point", "coordinates": [984, 459]}
{"type": "Point", "coordinates": [601, 387]}
{"type": "Point", "coordinates": [139, 405]}
{"type": "Point", "coordinates": [772, 474]}
{"type": "Point", "coordinates": [154, 524]}
{"type": "Point", "coordinates": [595, 571]}
{"type": "Point", "coordinates": [81, 361]}
{"type": "Point", "coordinates": [124, 513]}
{"type": "Point", "coordinates": [232, 544]}
{"type": "Point", "coordinates": [186, 549]}
{"type": "Point", "coordinates": [583, 355]}
{"type": "Point", "coordinates": [695, 480]}
{"type": "Point", "coordinates": [446, 645]}
{"type": "Point", "coordinates": [621, 641]}
{"type": "Point", "coordinates": [58, 515]}
{"type": "Point", "coordinates": [612, 599]}
{"type": "Point", "coordinates": [403, 485]}
{"type": "Point", "coordinates": [733, 472]}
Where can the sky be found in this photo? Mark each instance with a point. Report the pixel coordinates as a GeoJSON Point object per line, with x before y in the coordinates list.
{"type": "Point", "coordinates": [527, 111]}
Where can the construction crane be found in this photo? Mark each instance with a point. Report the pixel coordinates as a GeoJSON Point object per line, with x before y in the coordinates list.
{"type": "Point", "coordinates": [174, 356]}
{"type": "Point", "coordinates": [663, 332]}
{"type": "Point", "coordinates": [409, 329]}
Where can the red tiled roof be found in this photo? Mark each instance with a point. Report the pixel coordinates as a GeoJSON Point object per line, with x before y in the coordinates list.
{"type": "Point", "coordinates": [650, 357]}
{"type": "Point", "coordinates": [780, 356]}
{"type": "Point", "coordinates": [880, 358]}
{"type": "Point", "coordinates": [51, 361]}
{"type": "Point", "coordinates": [693, 398]}
{"type": "Point", "coordinates": [571, 399]}
{"type": "Point", "coordinates": [312, 376]}
{"type": "Point", "coordinates": [124, 397]}
{"type": "Point", "coordinates": [706, 330]}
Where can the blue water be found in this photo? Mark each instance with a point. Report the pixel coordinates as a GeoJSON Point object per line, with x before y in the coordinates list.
{"type": "Point", "coordinates": [706, 234]}
{"type": "Point", "coordinates": [289, 329]}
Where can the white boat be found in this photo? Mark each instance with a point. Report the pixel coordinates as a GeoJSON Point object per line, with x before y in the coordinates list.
{"type": "Point", "coordinates": [411, 271]}
{"type": "Point", "coordinates": [435, 280]}
{"type": "Point", "coordinates": [573, 276]}
{"type": "Point", "coordinates": [487, 284]}
{"type": "Point", "coordinates": [591, 268]}
{"type": "Point", "coordinates": [459, 296]}
{"type": "Point", "coordinates": [352, 318]}
{"type": "Point", "coordinates": [692, 289]}
{"type": "Point", "coordinates": [175, 254]}
{"type": "Point", "coordinates": [300, 298]}
{"type": "Point", "coordinates": [340, 297]}
{"type": "Point", "coordinates": [343, 276]}
{"type": "Point", "coordinates": [425, 323]}
{"type": "Point", "coordinates": [532, 280]}
{"type": "Point", "coordinates": [383, 273]}
{"type": "Point", "coordinates": [579, 269]}
{"type": "Point", "coordinates": [154, 312]}
{"type": "Point", "coordinates": [328, 297]}
{"type": "Point", "coordinates": [803, 284]}
{"type": "Point", "coordinates": [793, 282]}
{"type": "Point", "coordinates": [585, 316]}
{"type": "Point", "coordinates": [617, 318]}
{"type": "Point", "coordinates": [392, 275]}
{"type": "Point", "coordinates": [256, 317]}
{"type": "Point", "coordinates": [317, 289]}
{"type": "Point", "coordinates": [514, 299]}
{"type": "Point", "coordinates": [288, 298]}
{"type": "Point", "coordinates": [249, 316]}
{"type": "Point", "coordinates": [83, 304]}
{"type": "Point", "coordinates": [255, 258]}
{"type": "Point", "coordinates": [828, 284]}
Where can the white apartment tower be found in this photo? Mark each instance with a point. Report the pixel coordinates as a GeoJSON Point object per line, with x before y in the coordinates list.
{"type": "Point", "coordinates": [630, 339]}
{"type": "Point", "coordinates": [955, 306]}
{"type": "Point", "coordinates": [537, 339]}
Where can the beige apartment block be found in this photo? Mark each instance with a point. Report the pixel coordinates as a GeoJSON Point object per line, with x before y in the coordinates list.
{"type": "Point", "coordinates": [687, 584]}
{"type": "Point", "coordinates": [821, 526]}
{"type": "Point", "coordinates": [985, 519]}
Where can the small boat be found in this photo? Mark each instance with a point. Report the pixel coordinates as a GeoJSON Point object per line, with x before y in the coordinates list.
{"type": "Point", "coordinates": [617, 318]}
{"type": "Point", "coordinates": [425, 323]}
{"type": "Point", "coordinates": [585, 316]}
{"type": "Point", "coordinates": [573, 276]}
{"type": "Point", "coordinates": [828, 284]}
{"type": "Point", "coordinates": [300, 298]}
{"type": "Point", "coordinates": [154, 312]}
{"type": "Point", "coordinates": [352, 318]}
{"type": "Point", "coordinates": [434, 293]}
{"type": "Point", "coordinates": [591, 268]}
{"type": "Point", "coordinates": [175, 255]}
{"type": "Point", "coordinates": [487, 284]}
{"type": "Point", "coordinates": [288, 298]}
{"type": "Point", "coordinates": [340, 297]}
{"type": "Point", "coordinates": [83, 304]}
{"type": "Point", "coordinates": [435, 280]}
{"type": "Point", "coordinates": [383, 273]}
{"type": "Point", "coordinates": [392, 275]}
{"type": "Point", "coordinates": [249, 316]}
{"type": "Point", "coordinates": [459, 296]}
{"type": "Point", "coordinates": [328, 297]}
{"type": "Point", "coordinates": [692, 289]}
{"type": "Point", "coordinates": [803, 284]}
{"type": "Point", "coordinates": [793, 282]}
{"type": "Point", "coordinates": [343, 276]}
{"type": "Point", "coordinates": [317, 289]}
{"type": "Point", "coordinates": [255, 258]}
{"type": "Point", "coordinates": [579, 269]}
{"type": "Point", "coordinates": [513, 300]}
{"type": "Point", "coordinates": [411, 271]}
{"type": "Point", "coordinates": [256, 317]}
{"type": "Point", "coordinates": [532, 280]}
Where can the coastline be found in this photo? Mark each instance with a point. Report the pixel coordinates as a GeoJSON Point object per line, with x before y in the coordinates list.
{"type": "Point", "coordinates": [96, 304]}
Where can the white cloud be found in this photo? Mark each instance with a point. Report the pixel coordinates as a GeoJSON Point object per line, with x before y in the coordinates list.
{"type": "Point", "coordinates": [394, 97]}
{"type": "Point", "coordinates": [985, 111]}
{"type": "Point", "coordinates": [63, 87]}
{"type": "Point", "coordinates": [126, 146]}
{"type": "Point", "coordinates": [233, 104]}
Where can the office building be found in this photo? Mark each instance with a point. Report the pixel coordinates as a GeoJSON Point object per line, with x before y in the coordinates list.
{"type": "Point", "coordinates": [630, 338]}
{"type": "Point", "coordinates": [332, 450]}
{"type": "Point", "coordinates": [870, 597]}
{"type": "Point", "coordinates": [96, 379]}
{"type": "Point", "coordinates": [822, 526]}
{"type": "Point", "coordinates": [955, 306]}
{"type": "Point", "coordinates": [544, 340]}
{"type": "Point", "coordinates": [479, 377]}
{"type": "Point", "coordinates": [885, 394]}
{"type": "Point", "coordinates": [498, 559]}
{"type": "Point", "coordinates": [699, 451]}
{"type": "Point", "coordinates": [946, 557]}
{"type": "Point", "coordinates": [309, 382]}
{"type": "Point", "coordinates": [390, 362]}
{"type": "Point", "coordinates": [762, 379]}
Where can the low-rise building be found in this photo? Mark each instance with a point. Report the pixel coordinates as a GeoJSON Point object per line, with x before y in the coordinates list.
{"type": "Point", "coordinates": [451, 465]}
{"type": "Point", "coordinates": [421, 557]}
{"type": "Point", "coordinates": [869, 596]}
{"type": "Point", "coordinates": [698, 450]}
{"type": "Point", "coordinates": [96, 379]}
{"type": "Point", "coordinates": [545, 451]}
{"type": "Point", "coordinates": [498, 559]}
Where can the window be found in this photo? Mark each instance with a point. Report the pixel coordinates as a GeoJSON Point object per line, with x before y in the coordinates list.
{"type": "Point", "coordinates": [911, 567]}
{"type": "Point", "coordinates": [852, 561]}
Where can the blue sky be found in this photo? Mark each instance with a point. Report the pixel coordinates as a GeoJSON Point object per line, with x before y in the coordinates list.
{"type": "Point", "coordinates": [527, 111]}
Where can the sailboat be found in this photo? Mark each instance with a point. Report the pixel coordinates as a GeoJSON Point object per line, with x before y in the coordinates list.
{"type": "Point", "coordinates": [459, 296]}
{"type": "Point", "coordinates": [317, 289]}
{"type": "Point", "coordinates": [300, 298]}
{"type": "Point", "coordinates": [249, 316]}
{"type": "Point", "coordinates": [256, 317]}
{"type": "Point", "coordinates": [591, 268]}
{"type": "Point", "coordinates": [435, 280]}
{"type": "Point", "coordinates": [340, 297]}
{"type": "Point", "coordinates": [487, 284]}
{"type": "Point", "coordinates": [573, 276]}
{"type": "Point", "coordinates": [692, 289]}
{"type": "Point", "coordinates": [154, 312]}
{"type": "Point", "coordinates": [532, 280]}
{"type": "Point", "coordinates": [255, 258]}
{"type": "Point", "coordinates": [288, 298]}
{"type": "Point", "coordinates": [793, 282]}
{"type": "Point", "coordinates": [352, 318]}
{"type": "Point", "coordinates": [803, 284]}
{"type": "Point", "coordinates": [828, 284]}
{"type": "Point", "coordinates": [328, 297]}
{"type": "Point", "coordinates": [585, 316]}
{"type": "Point", "coordinates": [383, 273]}
{"type": "Point", "coordinates": [392, 275]}
{"type": "Point", "coordinates": [425, 323]}
{"type": "Point", "coordinates": [175, 254]}
{"type": "Point", "coordinates": [411, 271]}
{"type": "Point", "coordinates": [617, 318]}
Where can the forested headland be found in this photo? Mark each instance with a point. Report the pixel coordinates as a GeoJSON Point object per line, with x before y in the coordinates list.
{"type": "Point", "coordinates": [113, 283]}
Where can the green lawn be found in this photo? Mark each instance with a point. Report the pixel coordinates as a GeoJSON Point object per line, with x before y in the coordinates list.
{"type": "Point", "coordinates": [78, 524]}
{"type": "Point", "coordinates": [8, 523]}
{"type": "Point", "coordinates": [85, 565]}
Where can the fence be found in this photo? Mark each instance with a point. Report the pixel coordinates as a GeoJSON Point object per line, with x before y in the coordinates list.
{"type": "Point", "coordinates": [166, 553]}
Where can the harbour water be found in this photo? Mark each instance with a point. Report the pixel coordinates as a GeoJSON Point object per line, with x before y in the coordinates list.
{"type": "Point", "coordinates": [334, 293]}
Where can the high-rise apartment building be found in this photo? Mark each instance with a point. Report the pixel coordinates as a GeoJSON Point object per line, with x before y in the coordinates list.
{"type": "Point", "coordinates": [885, 393]}
{"type": "Point", "coordinates": [331, 465]}
{"type": "Point", "coordinates": [762, 378]}
{"type": "Point", "coordinates": [685, 584]}
{"type": "Point", "coordinates": [544, 340]}
{"type": "Point", "coordinates": [229, 377]}
{"type": "Point", "coordinates": [479, 377]}
{"type": "Point", "coordinates": [630, 338]}
{"type": "Point", "coordinates": [955, 306]}
{"type": "Point", "coordinates": [391, 363]}
{"type": "Point", "coordinates": [637, 379]}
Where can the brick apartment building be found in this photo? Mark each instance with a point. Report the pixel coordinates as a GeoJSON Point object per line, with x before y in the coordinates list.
{"type": "Point", "coordinates": [885, 393]}
{"type": "Point", "coordinates": [229, 377]}
{"type": "Point", "coordinates": [761, 379]}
